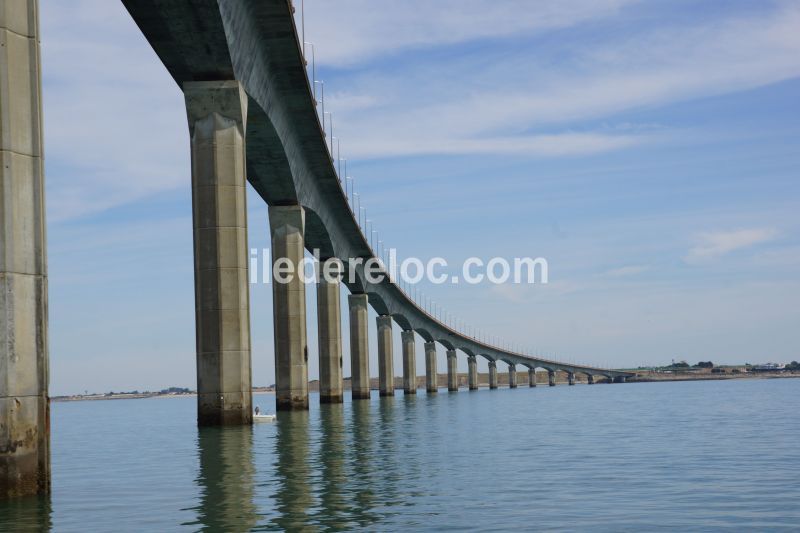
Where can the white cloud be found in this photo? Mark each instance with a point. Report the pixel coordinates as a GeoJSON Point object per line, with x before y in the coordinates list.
{"type": "Point", "coordinates": [713, 245]}
{"type": "Point", "coordinates": [347, 32]}
{"type": "Point", "coordinates": [436, 106]}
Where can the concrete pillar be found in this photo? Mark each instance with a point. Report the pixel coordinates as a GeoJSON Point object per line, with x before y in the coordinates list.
{"type": "Point", "coordinates": [590, 379]}
{"type": "Point", "coordinates": [289, 306]}
{"type": "Point", "coordinates": [551, 378]}
{"type": "Point", "coordinates": [409, 362]}
{"type": "Point", "coordinates": [571, 378]}
{"type": "Point", "coordinates": [531, 377]}
{"type": "Point", "coordinates": [472, 363]}
{"type": "Point", "coordinates": [329, 324]}
{"type": "Point", "coordinates": [492, 374]}
{"type": "Point", "coordinates": [24, 401]}
{"type": "Point", "coordinates": [619, 379]}
{"type": "Point", "coordinates": [512, 376]}
{"type": "Point", "coordinates": [431, 376]}
{"type": "Point", "coordinates": [217, 112]}
{"type": "Point", "coordinates": [452, 371]}
{"type": "Point", "coordinates": [385, 364]}
{"type": "Point", "coordinates": [359, 346]}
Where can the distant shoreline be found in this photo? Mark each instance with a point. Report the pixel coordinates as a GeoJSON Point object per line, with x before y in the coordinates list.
{"type": "Point", "coordinates": [640, 377]}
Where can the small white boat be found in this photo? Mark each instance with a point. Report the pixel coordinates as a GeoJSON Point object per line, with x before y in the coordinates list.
{"type": "Point", "coordinates": [264, 418]}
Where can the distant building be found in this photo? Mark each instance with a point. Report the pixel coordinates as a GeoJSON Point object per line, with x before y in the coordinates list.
{"type": "Point", "coordinates": [770, 367]}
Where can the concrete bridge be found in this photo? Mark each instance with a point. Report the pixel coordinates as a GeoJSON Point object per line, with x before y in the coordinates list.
{"type": "Point", "coordinates": [252, 116]}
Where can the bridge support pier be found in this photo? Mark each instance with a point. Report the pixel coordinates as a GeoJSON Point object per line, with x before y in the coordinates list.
{"type": "Point", "coordinates": [619, 379]}
{"type": "Point", "coordinates": [385, 362]}
{"type": "Point", "coordinates": [512, 376]}
{"type": "Point", "coordinates": [492, 374]}
{"type": "Point", "coordinates": [431, 377]}
{"type": "Point", "coordinates": [359, 346]}
{"type": "Point", "coordinates": [217, 112]}
{"type": "Point", "coordinates": [472, 365]}
{"type": "Point", "coordinates": [551, 377]}
{"type": "Point", "coordinates": [24, 402]}
{"type": "Point", "coordinates": [452, 371]}
{"type": "Point", "coordinates": [409, 362]}
{"type": "Point", "coordinates": [590, 379]}
{"type": "Point", "coordinates": [571, 378]}
{"type": "Point", "coordinates": [289, 308]}
{"type": "Point", "coordinates": [531, 377]}
{"type": "Point", "coordinates": [329, 324]}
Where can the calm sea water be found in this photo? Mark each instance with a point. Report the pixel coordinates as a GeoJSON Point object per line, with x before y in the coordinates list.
{"type": "Point", "coordinates": [701, 456]}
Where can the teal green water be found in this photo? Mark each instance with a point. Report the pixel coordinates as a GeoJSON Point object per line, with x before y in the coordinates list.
{"type": "Point", "coordinates": [700, 456]}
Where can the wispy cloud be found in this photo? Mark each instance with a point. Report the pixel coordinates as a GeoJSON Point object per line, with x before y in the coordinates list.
{"type": "Point", "coordinates": [348, 32]}
{"type": "Point", "coordinates": [713, 245]}
{"type": "Point", "coordinates": [433, 105]}
{"type": "Point", "coordinates": [626, 271]}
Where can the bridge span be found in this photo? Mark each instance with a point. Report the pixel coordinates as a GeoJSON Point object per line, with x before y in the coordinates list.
{"type": "Point", "coordinates": [253, 115]}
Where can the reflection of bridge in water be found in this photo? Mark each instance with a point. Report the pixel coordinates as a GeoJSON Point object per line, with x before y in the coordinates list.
{"type": "Point", "coordinates": [240, 66]}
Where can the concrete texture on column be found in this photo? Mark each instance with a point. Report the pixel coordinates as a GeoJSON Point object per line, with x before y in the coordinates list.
{"type": "Point", "coordinates": [492, 374]}
{"type": "Point", "coordinates": [551, 378]}
{"type": "Point", "coordinates": [24, 402]}
{"type": "Point", "coordinates": [452, 371]}
{"type": "Point", "coordinates": [409, 362]}
{"type": "Point", "coordinates": [359, 346]}
{"type": "Point", "coordinates": [431, 376]}
{"type": "Point", "coordinates": [472, 365]}
{"type": "Point", "coordinates": [531, 377]}
{"type": "Point", "coordinates": [329, 327]}
{"type": "Point", "coordinates": [287, 224]}
{"type": "Point", "coordinates": [512, 376]}
{"type": "Point", "coordinates": [385, 363]}
{"type": "Point", "coordinates": [217, 112]}
{"type": "Point", "coordinates": [590, 379]}
{"type": "Point", "coordinates": [571, 378]}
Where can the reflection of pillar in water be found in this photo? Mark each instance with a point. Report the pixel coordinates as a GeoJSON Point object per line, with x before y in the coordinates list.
{"type": "Point", "coordinates": [226, 478]}
{"type": "Point", "coordinates": [362, 466]}
{"type": "Point", "coordinates": [331, 458]}
{"type": "Point", "coordinates": [293, 496]}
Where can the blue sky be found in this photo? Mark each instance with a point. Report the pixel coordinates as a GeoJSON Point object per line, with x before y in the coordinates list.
{"type": "Point", "coordinates": [647, 150]}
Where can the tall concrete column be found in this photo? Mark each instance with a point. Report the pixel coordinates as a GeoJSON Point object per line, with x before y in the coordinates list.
{"type": "Point", "coordinates": [329, 324]}
{"type": "Point", "coordinates": [551, 377]}
{"type": "Point", "coordinates": [217, 113]}
{"type": "Point", "coordinates": [431, 376]}
{"type": "Point", "coordinates": [409, 362]}
{"type": "Point", "coordinates": [512, 376]}
{"type": "Point", "coordinates": [492, 374]}
{"type": "Point", "coordinates": [531, 377]}
{"type": "Point", "coordinates": [359, 346]}
{"type": "Point", "coordinates": [452, 371]}
{"type": "Point", "coordinates": [590, 379]}
{"type": "Point", "coordinates": [287, 224]}
{"type": "Point", "coordinates": [385, 363]}
{"type": "Point", "coordinates": [571, 378]}
{"type": "Point", "coordinates": [24, 401]}
{"type": "Point", "coordinates": [472, 364]}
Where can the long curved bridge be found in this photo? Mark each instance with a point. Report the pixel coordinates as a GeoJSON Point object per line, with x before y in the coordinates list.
{"type": "Point", "coordinates": [241, 67]}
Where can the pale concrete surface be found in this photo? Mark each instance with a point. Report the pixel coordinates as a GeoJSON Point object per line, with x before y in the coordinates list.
{"type": "Point", "coordinates": [512, 376]}
{"type": "Point", "coordinates": [492, 374]}
{"type": "Point", "coordinates": [385, 360]}
{"type": "Point", "coordinates": [551, 378]}
{"type": "Point", "coordinates": [409, 362]}
{"type": "Point", "coordinates": [359, 346]}
{"type": "Point", "coordinates": [472, 372]}
{"type": "Point", "coordinates": [329, 328]}
{"type": "Point", "coordinates": [216, 113]}
{"type": "Point", "coordinates": [452, 372]}
{"type": "Point", "coordinates": [287, 224]}
{"type": "Point", "coordinates": [431, 375]}
{"type": "Point", "coordinates": [24, 401]}
{"type": "Point", "coordinates": [531, 377]}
